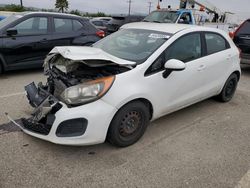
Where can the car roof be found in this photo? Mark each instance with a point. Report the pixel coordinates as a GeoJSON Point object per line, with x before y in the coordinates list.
{"type": "Point", "coordinates": [48, 13]}
{"type": "Point", "coordinates": [172, 10]}
{"type": "Point", "coordinates": [170, 28]}
{"type": "Point", "coordinates": [163, 27]}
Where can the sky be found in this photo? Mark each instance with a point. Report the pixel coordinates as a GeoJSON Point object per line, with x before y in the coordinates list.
{"type": "Point", "coordinates": [138, 6]}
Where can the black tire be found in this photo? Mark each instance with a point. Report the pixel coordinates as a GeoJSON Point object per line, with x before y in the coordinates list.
{"type": "Point", "coordinates": [129, 124]}
{"type": "Point", "coordinates": [1, 68]}
{"type": "Point", "coordinates": [229, 89]}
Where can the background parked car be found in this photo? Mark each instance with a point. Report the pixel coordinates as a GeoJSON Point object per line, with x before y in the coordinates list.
{"type": "Point", "coordinates": [100, 24]}
{"type": "Point", "coordinates": [107, 19]}
{"type": "Point", "coordinates": [27, 38]}
{"type": "Point", "coordinates": [119, 20]}
{"type": "Point", "coordinates": [2, 17]}
{"type": "Point", "coordinates": [242, 40]}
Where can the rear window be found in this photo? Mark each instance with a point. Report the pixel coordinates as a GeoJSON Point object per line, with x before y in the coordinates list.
{"type": "Point", "coordinates": [244, 29]}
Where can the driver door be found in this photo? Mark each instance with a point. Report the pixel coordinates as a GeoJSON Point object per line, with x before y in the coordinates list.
{"type": "Point", "coordinates": [180, 88]}
{"type": "Point", "coordinates": [31, 44]}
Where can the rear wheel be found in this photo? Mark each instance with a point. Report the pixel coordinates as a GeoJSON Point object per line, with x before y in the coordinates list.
{"type": "Point", "coordinates": [1, 67]}
{"type": "Point", "coordinates": [229, 89]}
{"type": "Point", "coordinates": [129, 124]}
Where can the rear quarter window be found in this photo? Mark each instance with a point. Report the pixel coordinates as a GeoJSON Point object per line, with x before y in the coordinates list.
{"type": "Point", "coordinates": [215, 43]}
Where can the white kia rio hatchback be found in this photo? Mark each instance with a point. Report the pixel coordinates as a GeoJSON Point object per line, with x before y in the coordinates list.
{"type": "Point", "coordinates": [113, 89]}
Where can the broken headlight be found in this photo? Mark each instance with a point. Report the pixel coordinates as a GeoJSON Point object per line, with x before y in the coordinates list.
{"type": "Point", "coordinates": [87, 92]}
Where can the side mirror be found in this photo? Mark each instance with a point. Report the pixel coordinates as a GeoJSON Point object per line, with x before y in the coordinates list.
{"type": "Point", "coordinates": [173, 65]}
{"type": "Point", "coordinates": [182, 21]}
{"type": "Point", "coordinates": [11, 31]}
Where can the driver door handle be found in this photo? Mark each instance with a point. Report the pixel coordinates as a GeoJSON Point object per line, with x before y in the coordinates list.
{"type": "Point", "coordinates": [201, 67]}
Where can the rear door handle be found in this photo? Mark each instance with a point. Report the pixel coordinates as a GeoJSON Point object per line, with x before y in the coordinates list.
{"type": "Point", "coordinates": [43, 41]}
{"type": "Point", "coordinates": [201, 67]}
{"type": "Point", "coordinates": [229, 57]}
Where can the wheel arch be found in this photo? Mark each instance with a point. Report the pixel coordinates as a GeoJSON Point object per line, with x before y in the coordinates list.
{"type": "Point", "coordinates": [237, 73]}
{"type": "Point", "coordinates": [144, 101]}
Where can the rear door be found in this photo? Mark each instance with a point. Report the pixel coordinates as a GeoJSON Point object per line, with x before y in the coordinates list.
{"type": "Point", "coordinates": [242, 38]}
{"type": "Point", "coordinates": [217, 63]}
{"type": "Point", "coordinates": [30, 45]}
{"type": "Point", "coordinates": [70, 31]}
{"type": "Point", "coordinates": [63, 31]}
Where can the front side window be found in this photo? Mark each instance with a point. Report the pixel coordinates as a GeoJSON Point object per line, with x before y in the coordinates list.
{"type": "Point", "coordinates": [186, 18]}
{"type": "Point", "coordinates": [63, 25]}
{"type": "Point", "coordinates": [32, 26]}
{"type": "Point", "coordinates": [133, 44]}
{"type": "Point", "coordinates": [215, 43]}
{"type": "Point", "coordinates": [185, 49]}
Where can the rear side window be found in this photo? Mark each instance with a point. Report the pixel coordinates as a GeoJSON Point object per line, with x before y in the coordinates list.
{"type": "Point", "coordinates": [215, 43]}
{"type": "Point", "coordinates": [63, 25]}
{"type": "Point", "coordinates": [244, 29]}
{"type": "Point", "coordinates": [77, 25]}
{"type": "Point", "coordinates": [32, 26]}
{"type": "Point", "coordinates": [185, 49]}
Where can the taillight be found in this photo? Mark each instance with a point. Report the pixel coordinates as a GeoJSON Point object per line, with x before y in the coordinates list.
{"type": "Point", "coordinates": [100, 33]}
{"type": "Point", "coordinates": [231, 34]}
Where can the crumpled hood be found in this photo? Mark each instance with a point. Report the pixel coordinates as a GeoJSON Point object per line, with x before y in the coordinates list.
{"type": "Point", "coordinates": [81, 53]}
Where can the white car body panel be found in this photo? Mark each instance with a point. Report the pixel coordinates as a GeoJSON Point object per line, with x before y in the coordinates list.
{"type": "Point", "coordinates": [79, 53]}
{"type": "Point", "coordinates": [201, 79]}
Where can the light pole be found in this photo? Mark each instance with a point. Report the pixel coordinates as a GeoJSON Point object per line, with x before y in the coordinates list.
{"type": "Point", "coordinates": [150, 6]}
{"type": "Point", "coordinates": [21, 2]}
{"type": "Point", "coordinates": [129, 7]}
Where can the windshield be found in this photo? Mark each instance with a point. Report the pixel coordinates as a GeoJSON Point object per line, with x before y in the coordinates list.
{"type": "Point", "coordinates": [8, 20]}
{"type": "Point", "coordinates": [133, 44]}
{"type": "Point", "coordinates": [162, 17]}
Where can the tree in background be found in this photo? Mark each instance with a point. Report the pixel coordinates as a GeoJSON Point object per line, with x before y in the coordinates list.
{"type": "Point", "coordinates": [13, 8]}
{"type": "Point", "coordinates": [62, 5]}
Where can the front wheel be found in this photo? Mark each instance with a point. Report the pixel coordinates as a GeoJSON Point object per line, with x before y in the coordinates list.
{"type": "Point", "coordinates": [229, 89]}
{"type": "Point", "coordinates": [129, 124]}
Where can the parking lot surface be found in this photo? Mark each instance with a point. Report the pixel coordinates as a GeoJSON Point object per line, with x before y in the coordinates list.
{"type": "Point", "coordinates": [205, 145]}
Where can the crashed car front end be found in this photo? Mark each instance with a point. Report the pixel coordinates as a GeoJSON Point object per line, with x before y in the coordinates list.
{"type": "Point", "coordinates": [68, 109]}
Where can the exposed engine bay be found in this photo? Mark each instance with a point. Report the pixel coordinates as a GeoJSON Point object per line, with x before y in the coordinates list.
{"type": "Point", "coordinates": [64, 73]}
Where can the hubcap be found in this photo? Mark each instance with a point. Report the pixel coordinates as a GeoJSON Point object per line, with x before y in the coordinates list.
{"type": "Point", "coordinates": [130, 123]}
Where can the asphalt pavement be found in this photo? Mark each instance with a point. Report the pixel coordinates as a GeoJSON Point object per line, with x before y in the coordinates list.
{"type": "Point", "coordinates": [204, 145]}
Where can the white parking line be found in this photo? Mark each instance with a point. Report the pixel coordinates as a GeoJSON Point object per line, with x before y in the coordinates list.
{"type": "Point", "coordinates": [245, 181]}
{"type": "Point", "coordinates": [12, 95]}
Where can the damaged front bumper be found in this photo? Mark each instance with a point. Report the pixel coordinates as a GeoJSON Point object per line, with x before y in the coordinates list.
{"type": "Point", "coordinates": [53, 121]}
